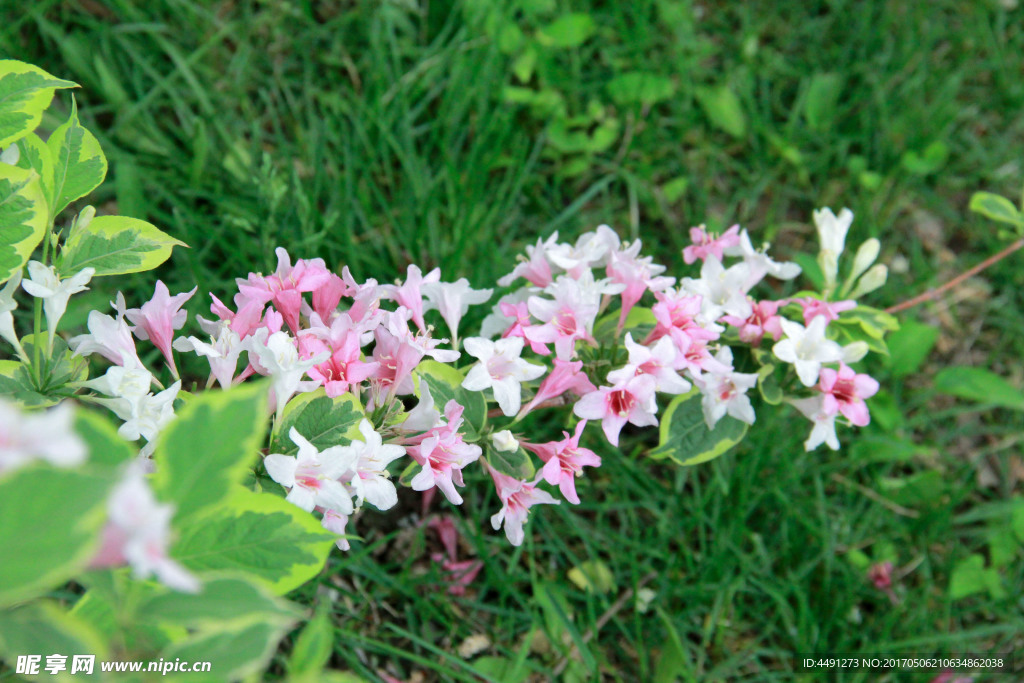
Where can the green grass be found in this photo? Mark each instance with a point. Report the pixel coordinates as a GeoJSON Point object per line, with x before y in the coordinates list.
{"type": "Point", "coordinates": [376, 134]}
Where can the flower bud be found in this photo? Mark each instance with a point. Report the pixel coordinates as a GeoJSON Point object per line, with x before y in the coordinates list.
{"type": "Point", "coordinates": [855, 351]}
{"type": "Point", "coordinates": [872, 280]}
{"type": "Point", "coordinates": [504, 441]}
{"type": "Point", "coordinates": [85, 217]}
{"type": "Point", "coordinates": [865, 257]}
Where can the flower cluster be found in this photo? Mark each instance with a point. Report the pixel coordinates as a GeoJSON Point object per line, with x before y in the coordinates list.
{"type": "Point", "coordinates": [591, 324]}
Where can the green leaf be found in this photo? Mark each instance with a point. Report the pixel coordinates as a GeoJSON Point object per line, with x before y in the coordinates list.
{"type": "Point", "coordinates": [525, 63]}
{"type": "Point", "coordinates": [79, 163]}
{"type": "Point", "coordinates": [723, 109]}
{"type": "Point", "coordinates": [25, 93]}
{"type": "Point", "coordinates": [510, 38]}
{"type": "Point", "coordinates": [569, 30]}
{"type": "Point", "coordinates": [106, 447]}
{"type": "Point", "coordinates": [320, 419]}
{"type": "Point", "coordinates": [116, 245]}
{"type": "Point", "coordinates": [36, 156]}
{"type": "Point", "coordinates": [235, 653]}
{"type": "Point", "coordinates": [996, 208]}
{"type": "Point", "coordinates": [1002, 546]}
{"type": "Point", "coordinates": [821, 100]}
{"type": "Point", "coordinates": [909, 346]}
{"type": "Point", "coordinates": [45, 628]}
{"type": "Point", "coordinates": [445, 384]}
{"type": "Point", "coordinates": [921, 488]}
{"type": "Point", "coordinates": [43, 547]}
{"type": "Point", "coordinates": [979, 384]}
{"type": "Point", "coordinates": [875, 323]}
{"type": "Point", "coordinates": [674, 662]}
{"type": "Point", "coordinates": [593, 576]}
{"type": "Point", "coordinates": [970, 576]}
{"type": "Point", "coordinates": [313, 647]}
{"type": "Point", "coordinates": [640, 88]}
{"type": "Point", "coordinates": [685, 437]}
{"type": "Point", "coordinates": [516, 464]}
{"type": "Point", "coordinates": [931, 160]}
{"type": "Point", "coordinates": [270, 540]}
{"type": "Point", "coordinates": [221, 601]}
{"type": "Point", "coordinates": [24, 216]}
{"type": "Point", "coordinates": [209, 447]}
{"type": "Point", "coordinates": [639, 322]}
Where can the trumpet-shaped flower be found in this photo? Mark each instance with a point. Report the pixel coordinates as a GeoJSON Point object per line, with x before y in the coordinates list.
{"type": "Point", "coordinates": [807, 348]}
{"type": "Point", "coordinates": [830, 310]}
{"type": "Point", "coordinates": [710, 244]}
{"type": "Point", "coordinates": [535, 267]}
{"type": "Point", "coordinates": [658, 361]}
{"type": "Point", "coordinates": [276, 355]}
{"type": "Point", "coordinates": [759, 263]}
{"type": "Point", "coordinates": [343, 367]}
{"type": "Point", "coordinates": [109, 337]}
{"type": "Point", "coordinates": [410, 293]}
{"type": "Point", "coordinates": [824, 430]}
{"type": "Point", "coordinates": [313, 476]}
{"type": "Point", "coordinates": [453, 299]}
{"type": "Point", "coordinates": [564, 461]}
{"type": "Point", "coordinates": [159, 317]}
{"type": "Point", "coordinates": [844, 391]}
{"type": "Point", "coordinates": [222, 351]}
{"type": "Point", "coordinates": [725, 391]}
{"type": "Point", "coordinates": [500, 368]}
{"type": "Point", "coordinates": [631, 401]}
{"type": "Point", "coordinates": [45, 284]}
{"type": "Point", "coordinates": [764, 320]}
{"type": "Point", "coordinates": [335, 522]}
{"type": "Point", "coordinates": [371, 457]}
{"type": "Point", "coordinates": [138, 532]}
{"type": "Point", "coordinates": [565, 376]}
{"type": "Point", "coordinates": [48, 436]}
{"type": "Point", "coordinates": [443, 453]}
{"type": "Point", "coordinates": [517, 497]}
{"type": "Point", "coordinates": [286, 286]}
{"type": "Point", "coordinates": [722, 290]}
{"type": "Point", "coordinates": [637, 275]}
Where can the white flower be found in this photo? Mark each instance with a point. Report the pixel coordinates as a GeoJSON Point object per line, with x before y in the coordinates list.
{"type": "Point", "coordinates": [46, 435]}
{"type": "Point", "coordinates": [760, 263]}
{"type": "Point", "coordinates": [7, 307]}
{"type": "Point", "coordinates": [313, 476]}
{"type": "Point", "coordinates": [807, 348]}
{"type": "Point", "coordinates": [824, 430]}
{"type": "Point", "coordinates": [723, 291]}
{"type": "Point", "coordinates": [45, 284]}
{"type": "Point", "coordinates": [279, 358]}
{"type": "Point", "coordinates": [109, 337]}
{"type": "Point", "coordinates": [657, 361]}
{"type": "Point", "coordinates": [453, 299]}
{"type": "Point", "coordinates": [504, 441]}
{"type": "Point", "coordinates": [588, 250]}
{"type": "Point", "coordinates": [726, 392]}
{"type": "Point", "coordinates": [149, 415]}
{"type": "Point", "coordinates": [222, 352]}
{"type": "Point", "coordinates": [371, 457]}
{"type": "Point", "coordinates": [424, 416]}
{"type": "Point", "coordinates": [128, 383]}
{"type": "Point", "coordinates": [139, 531]}
{"type": "Point", "coordinates": [501, 369]}
{"type": "Point", "coordinates": [832, 231]}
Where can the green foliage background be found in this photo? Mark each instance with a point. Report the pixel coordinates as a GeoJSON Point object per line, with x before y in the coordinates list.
{"type": "Point", "coordinates": [376, 134]}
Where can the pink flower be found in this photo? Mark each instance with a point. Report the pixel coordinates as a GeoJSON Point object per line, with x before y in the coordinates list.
{"type": "Point", "coordinates": [246, 320]}
{"type": "Point", "coordinates": [678, 313]}
{"type": "Point", "coordinates": [520, 314]}
{"type": "Point", "coordinates": [443, 454]}
{"type": "Point", "coordinates": [535, 267]}
{"type": "Point", "coordinates": [158, 318]}
{"type": "Point", "coordinates": [327, 296]}
{"type": "Point", "coordinates": [517, 498]}
{"type": "Point", "coordinates": [830, 309]}
{"type": "Point", "coordinates": [109, 337]}
{"type": "Point", "coordinates": [410, 293]}
{"type": "Point", "coordinates": [637, 275]}
{"type": "Point", "coordinates": [565, 319]}
{"type": "Point", "coordinates": [566, 376]}
{"type": "Point", "coordinates": [630, 401]}
{"type": "Point", "coordinates": [460, 573]}
{"type": "Point", "coordinates": [764, 319]}
{"type": "Point", "coordinates": [709, 244]}
{"type": "Point", "coordinates": [564, 461]}
{"type": "Point", "coordinates": [844, 391]}
{"type": "Point", "coordinates": [725, 391]}
{"type": "Point", "coordinates": [335, 522]}
{"type": "Point", "coordinates": [286, 285]}
{"type": "Point", "coordinates": [880, 575]}
{"type": "Point", "coordinates": [342, 369]}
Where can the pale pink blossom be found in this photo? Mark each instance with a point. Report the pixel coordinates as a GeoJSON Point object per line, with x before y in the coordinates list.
{"type": "Point", "coordinates": [109, 337]}
{"type": "Point", "coordinates": [312, 476]}
{"type": "Point", "coordinates": [657, 361]}
{"type": "Point", "coordinates": [631, 401]}
{"type": "Point", "coordinates": [517, 497]}
{"type": "Point", "coordinates": [637, 275]}
{"type": "Point", "coordinates": [678, 312]}
{"type": "Point", "coordinates": [519, 314]}
{"type": "Point", "coordinates": [500, 369]}
{"type": "Point", "coordinates": [158, 319]}
{"type": "Point", "coordinates": [725, 392]}
{"type": "Point", "coordinates": [564, 461]}
{"type": "Point", "coordinates": [410, 293]}
{"type": "Point", "coordinates": [44, 435]}
{"type": "Point", "coordinates": [327, 296]}
{"type": "Point", "coordinates": [565, 319]}
{"type": "Point", "coordinates": [830, 310]}
{"type": "Point", "coordinates": [443, 453]}
{"type": "Point", "coordinates": [335, 522]}
{"type": "Point", "coordinates": [844, 391]}
{"type": "Point", "coordinates": [245, 321]}
{"type": "Point", "coordinates": [535, 267]}
{"type": "Point", "coordinates": [710, 244]}
{"type": "Point", "coordinates": [453, 299]}
{"type": "Point", "coordinates": [824, 430]}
